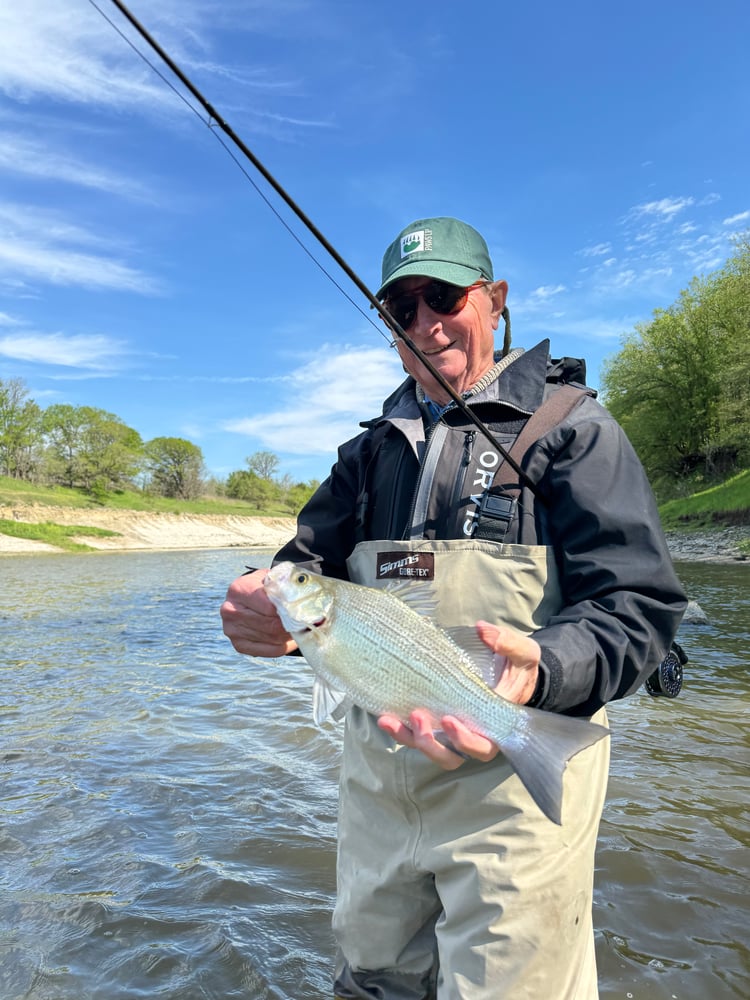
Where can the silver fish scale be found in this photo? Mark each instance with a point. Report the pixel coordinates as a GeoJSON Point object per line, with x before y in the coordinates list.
{"type": "Point", "coordinates": [391, 659]}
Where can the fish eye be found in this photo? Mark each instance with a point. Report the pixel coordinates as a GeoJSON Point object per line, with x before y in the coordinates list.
{"type": "Point", "coordinates": [302, 578]}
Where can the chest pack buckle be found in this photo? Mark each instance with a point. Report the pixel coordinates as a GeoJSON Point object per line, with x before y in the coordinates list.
{"type": "Point", "coordinates": [495, 515]}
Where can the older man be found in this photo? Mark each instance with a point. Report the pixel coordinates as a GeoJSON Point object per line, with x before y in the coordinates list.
{"type": "Point", "coordinates": [451, 882]}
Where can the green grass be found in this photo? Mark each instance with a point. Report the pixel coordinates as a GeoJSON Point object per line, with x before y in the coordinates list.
{"type": "Point", "coordinates": [16, 491]}
{"type": "Point", "coordinates": [715, 507]}
{"type": "Point", "coordinates": [59, 535]}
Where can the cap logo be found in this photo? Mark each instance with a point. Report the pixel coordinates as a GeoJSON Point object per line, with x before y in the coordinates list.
{"type": "Point", "coordinates": [416, 242]}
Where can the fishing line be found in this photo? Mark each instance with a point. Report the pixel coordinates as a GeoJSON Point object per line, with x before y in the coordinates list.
{"type": "Point", "coordinates": [230, 152]}
{"type": "Point", "coordinates": [218, 121]}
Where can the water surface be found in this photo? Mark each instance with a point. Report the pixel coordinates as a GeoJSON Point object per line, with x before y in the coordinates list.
{"type": "Point", "coordinates": [167, 821]}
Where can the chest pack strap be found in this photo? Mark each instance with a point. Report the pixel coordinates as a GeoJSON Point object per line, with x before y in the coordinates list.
{"type": "Point", "coordinates": [498, 505]}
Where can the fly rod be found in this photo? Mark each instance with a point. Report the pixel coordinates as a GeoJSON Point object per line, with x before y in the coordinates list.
{"type": "Point", "coordinates": [327, 246]}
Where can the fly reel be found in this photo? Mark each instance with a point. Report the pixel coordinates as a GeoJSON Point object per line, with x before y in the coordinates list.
{"type": "Point", "coordinates": [666, 680]}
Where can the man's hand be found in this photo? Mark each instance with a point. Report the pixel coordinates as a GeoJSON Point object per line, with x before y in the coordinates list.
{"type": "Point", "coordinates": [251, 622]}
{"type": "Point", "coordinates": [518, 656]}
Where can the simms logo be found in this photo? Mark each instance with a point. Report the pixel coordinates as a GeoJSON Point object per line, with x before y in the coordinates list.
{"type": "Point", "coordinates": [414, 565]}
{"type": "Point", "coordinates": [420, 240]}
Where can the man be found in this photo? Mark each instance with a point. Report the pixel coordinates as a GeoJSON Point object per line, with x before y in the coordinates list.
{"type": "Point", "coordinates": [451, 882]}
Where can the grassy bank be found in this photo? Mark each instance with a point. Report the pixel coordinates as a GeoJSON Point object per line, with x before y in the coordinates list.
{"type": "Point", "coordinates": [60, 535]}
{"type": "Point", "coordinates": [716, 507]}
{"type": "Point", "coordinates": [14, 492]}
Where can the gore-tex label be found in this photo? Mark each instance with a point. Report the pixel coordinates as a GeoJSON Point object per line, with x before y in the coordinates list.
{"type": "Point", "coordinates": [417, 565]}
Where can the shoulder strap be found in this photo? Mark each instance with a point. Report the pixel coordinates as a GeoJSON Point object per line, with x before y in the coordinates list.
{"type": "Point", "coordinates": [498, 506]}
{"type": "Point", "coordinates": [552, 412]}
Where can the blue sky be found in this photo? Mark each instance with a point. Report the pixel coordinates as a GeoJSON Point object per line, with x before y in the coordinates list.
{"type": "Point", "coordinates": [602, 149]}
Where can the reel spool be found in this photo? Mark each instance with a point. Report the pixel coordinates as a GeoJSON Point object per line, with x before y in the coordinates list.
{"type": "Point", "coordinates": [666, 680]}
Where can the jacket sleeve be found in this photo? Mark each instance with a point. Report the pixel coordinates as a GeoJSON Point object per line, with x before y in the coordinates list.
{"type": "Point", "coordinates": [622, 601]}
{"type": "Point", "coordinates": [326, 524]}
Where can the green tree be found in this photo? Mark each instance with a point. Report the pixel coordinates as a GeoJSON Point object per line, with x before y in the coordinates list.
{"type": "Point", "coordinates": [175, 467]}
{"type": "Point", "coordinates": [90, 448]}
{"type": "Point", "coordinates": [264, 464]}
{"type": "Point", "coordinates": [245, 485]}
{"type": "Point", "coordinates": [20, 430]}
{"type": "Point", "coordinates": [298, 495]}
{"type": "Point", "coordinates": [679, 385]}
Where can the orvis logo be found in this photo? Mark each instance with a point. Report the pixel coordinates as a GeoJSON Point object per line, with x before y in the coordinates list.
{"type": "Point", "coordinates": [400, 564]}
{"type": "Point", "coordinates": [418, 241]}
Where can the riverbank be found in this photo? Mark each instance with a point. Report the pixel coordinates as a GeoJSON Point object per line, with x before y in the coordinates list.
{"type": "Point", "coordinates": [142, 530]}
{"type": "Point", "coordinates": [146, 530]}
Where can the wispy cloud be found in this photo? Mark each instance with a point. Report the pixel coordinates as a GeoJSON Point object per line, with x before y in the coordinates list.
{"type": "Point", "coordinates": [664, 208]}
{"type": "Point", "coordinates": [740, 217]}
{"type": "Point", "coordinates": [68, 52]}
{"type": "Point", "coordinates": [598, 250]}
{"type": "Point", "coordinates": [44, 247]}
{"type": "Point", "coordinates": [318, 397]}
{"type": "Point", "coordinates": [31, 158]}
{"type": "Point", "coordinates": [89, 351]}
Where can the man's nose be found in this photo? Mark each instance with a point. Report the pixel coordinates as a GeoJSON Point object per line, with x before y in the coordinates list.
{"type": "Point", "coordinates": [426, 322]}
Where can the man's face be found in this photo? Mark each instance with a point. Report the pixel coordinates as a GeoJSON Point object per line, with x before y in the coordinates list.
{"type": "Point", "coordinates": [460, 346]}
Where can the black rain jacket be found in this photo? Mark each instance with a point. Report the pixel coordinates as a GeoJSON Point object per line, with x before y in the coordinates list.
{"type": "Point", "coordinates": [622, 601]}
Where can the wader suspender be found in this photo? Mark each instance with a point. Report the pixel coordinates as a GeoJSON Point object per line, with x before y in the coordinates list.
{"type": "Point", "coordinates": [497, 507]}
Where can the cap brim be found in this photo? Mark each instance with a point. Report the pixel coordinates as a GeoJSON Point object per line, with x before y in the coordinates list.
{"type": "Point", "coordinates": [442, 270]}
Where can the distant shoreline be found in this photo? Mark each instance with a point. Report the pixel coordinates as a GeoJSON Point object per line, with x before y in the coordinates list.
{"type": "Point", "coordinates": [147, 530]}
{"type": "Point", "coordinates": [144, 530]}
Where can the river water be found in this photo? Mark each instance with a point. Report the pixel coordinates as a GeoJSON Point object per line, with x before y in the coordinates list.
{"type": "Point", "coordinates": [168, 807]}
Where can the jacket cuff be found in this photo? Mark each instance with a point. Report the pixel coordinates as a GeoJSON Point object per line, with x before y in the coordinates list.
{"type": "Point", "coordinates": [549, 682]}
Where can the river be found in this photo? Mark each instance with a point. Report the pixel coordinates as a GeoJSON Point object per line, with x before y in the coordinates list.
{"type": "Point", "coordinates": [168, 807]}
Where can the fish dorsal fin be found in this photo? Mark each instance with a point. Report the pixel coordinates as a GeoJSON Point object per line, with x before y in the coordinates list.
{"type": "Point", "coordinates": [327, 701]}
{"type": "Point", "coordinates": [418, 595]}
{"type": "Point", "coordinates": [483, 661]}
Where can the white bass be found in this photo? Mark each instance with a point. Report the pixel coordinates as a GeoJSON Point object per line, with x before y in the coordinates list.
{"type": "Point", "coordinates": [379, 649]}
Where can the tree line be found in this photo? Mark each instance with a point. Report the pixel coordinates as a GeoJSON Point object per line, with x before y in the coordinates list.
{"type": "Point", "coordinates": [680, 385]}
{"type": "Point", "coordinates": [85, 448]}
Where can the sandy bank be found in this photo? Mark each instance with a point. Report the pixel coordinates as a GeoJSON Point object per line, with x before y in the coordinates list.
{"type": "Point", "coordinates": [141, 530]}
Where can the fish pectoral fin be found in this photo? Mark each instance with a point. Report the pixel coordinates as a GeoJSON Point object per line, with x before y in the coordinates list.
{"type": "Point", "coordinates": [482, 658]}
{"type": "Point", "coordinates": [327, 701]}
{"type": "Point", "coordinates": [419, 595]}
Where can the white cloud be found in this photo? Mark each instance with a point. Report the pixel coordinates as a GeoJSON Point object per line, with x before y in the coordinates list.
{"type": "Point", "coordinates": [68, 52]}
{"type": "Point", "coordinates": [44, 247]}
{"type": "Point", "coordinates": [318, 398]}
{"type": "Point", "coordinates": [598, 250]}
{"type": "Point", "coordinates": [92, 351]}
{"type": "Point", "coordinates": [664, 208]}
{"type": "Point", "coordinates": [740, 217]}
{"type": "Point", "coordinates": [31, 158]}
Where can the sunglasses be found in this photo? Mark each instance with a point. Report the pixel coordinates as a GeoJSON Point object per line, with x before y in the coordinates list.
{"type": "Point", "coordinates": [442, 298]}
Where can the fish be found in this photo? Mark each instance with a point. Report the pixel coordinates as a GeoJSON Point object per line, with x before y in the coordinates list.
{"type": "Point", "coordinates": [382, 650]}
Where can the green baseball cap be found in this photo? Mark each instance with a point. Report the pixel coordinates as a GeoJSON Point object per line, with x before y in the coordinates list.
{"type": "Point", "coordinates": [442, 248]}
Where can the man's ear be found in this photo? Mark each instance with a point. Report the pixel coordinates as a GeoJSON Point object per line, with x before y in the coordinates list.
{"type": "Point", "coordinates": [498, 294]}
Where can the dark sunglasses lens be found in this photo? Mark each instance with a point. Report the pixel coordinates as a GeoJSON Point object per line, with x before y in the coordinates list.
{"type": "Point", "coordinates": [444, 299]}
{"type": "Point", "coordinates": [441, 298]}
{"type": "Point", "coordinates": [403, 309]}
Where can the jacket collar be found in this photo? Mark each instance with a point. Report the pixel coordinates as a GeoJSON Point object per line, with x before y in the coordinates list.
{"type": "Point", "coordinates": [519, 386]}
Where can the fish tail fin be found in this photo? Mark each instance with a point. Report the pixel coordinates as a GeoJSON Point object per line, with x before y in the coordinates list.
{"type": "Point", "coordinates": [540, 752]}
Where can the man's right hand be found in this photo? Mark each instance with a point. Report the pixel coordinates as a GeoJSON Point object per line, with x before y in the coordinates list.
{"type": "Point", "coordinates": [251, 622]}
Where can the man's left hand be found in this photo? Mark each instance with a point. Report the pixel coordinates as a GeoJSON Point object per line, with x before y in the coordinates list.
{"type": "Point", "coordinates": [518, 656]}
